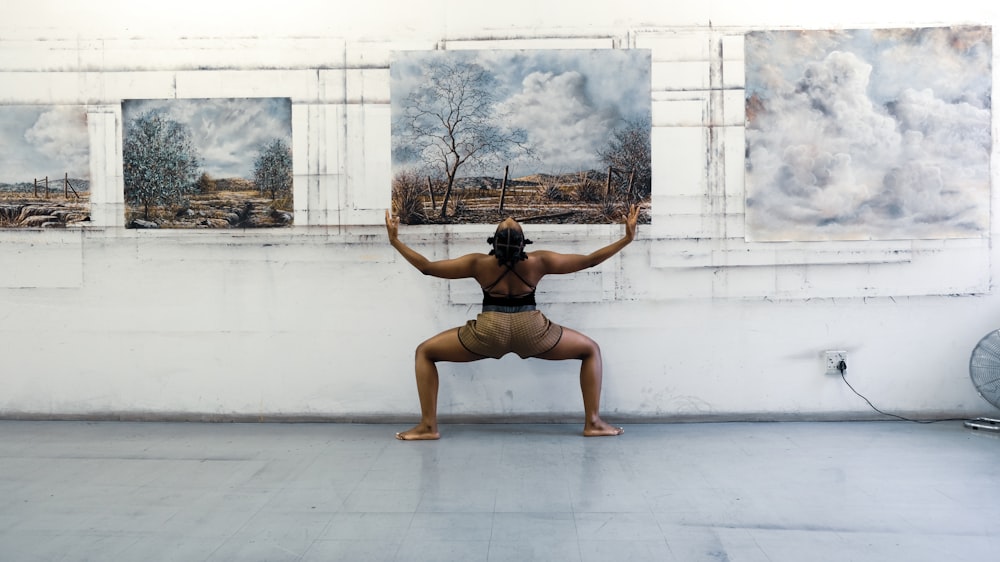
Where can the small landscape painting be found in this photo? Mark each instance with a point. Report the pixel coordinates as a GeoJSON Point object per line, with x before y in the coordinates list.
{"type": "Point", "coordinates": [207, 163]}
{"type": "Point", "coordinates": [549, 136]}
{"type": "Point", "coordinates": [44, 166]}
{"type": "Point", "coordinates": [874, 134]}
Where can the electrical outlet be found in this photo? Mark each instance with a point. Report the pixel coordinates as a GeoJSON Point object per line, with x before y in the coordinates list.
{"type": "Point", "coordinates": [833, 359]}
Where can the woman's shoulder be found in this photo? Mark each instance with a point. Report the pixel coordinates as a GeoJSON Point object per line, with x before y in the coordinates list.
{"type": "Point", "coordinates": [536, 260]}
{"type": "Point", "coordinates": [541, 255]}
{"type": "Point", "coordinates": [481, 260]}
{"type": "Point", "coordinates": [476, 256]}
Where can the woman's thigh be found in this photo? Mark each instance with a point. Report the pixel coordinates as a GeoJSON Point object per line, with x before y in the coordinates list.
{"type": "Point", "coordinates": [572, 345]}
{"type": "Point", "coordinates": [447, 347]}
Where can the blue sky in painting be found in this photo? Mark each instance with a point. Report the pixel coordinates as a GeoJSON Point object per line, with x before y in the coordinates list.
{"type": "Point", "coordinates": [868, 134]}
{"type": "Point", "coordinates": [39, 141]}
{"type": "Point", "coordinates": [227, 132]}
{"type": "Point", "coordinates": [568, 101]}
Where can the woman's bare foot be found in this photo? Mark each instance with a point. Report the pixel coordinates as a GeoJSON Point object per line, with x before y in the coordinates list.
{"type": "Point", "coordinates": [600, 429]}
{"type": "Point", "coordinates": [419, 432]}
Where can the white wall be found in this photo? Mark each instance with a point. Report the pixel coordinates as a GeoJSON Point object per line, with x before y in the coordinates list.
{"type": "Point", "coordinates": [320, 320]}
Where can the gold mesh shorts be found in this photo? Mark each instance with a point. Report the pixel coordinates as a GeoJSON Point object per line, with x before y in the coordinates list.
{"type": "Point", "coordinates": [495, 334]}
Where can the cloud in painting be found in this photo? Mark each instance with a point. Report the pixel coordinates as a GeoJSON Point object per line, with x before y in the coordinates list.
{"type": "Point", "coordinates": [567, 101]}
{"type": "Point", "coordinates": [828, 161]}
{"type": "Point", "coordinates": [227, 132]}
{"type": "Point", "coordinates": [39, 141]}
{"type": "Point", "coordinates": [60, 134]}
{"type": "Point", "coordinates": [563, 124]}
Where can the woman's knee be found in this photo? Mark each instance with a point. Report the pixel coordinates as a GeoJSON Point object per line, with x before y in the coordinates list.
{"type": "Point", "coordinates": [443, 347]}
{"type": "Point", "coordinates": [424, 351]}
{"type": "Point", "coordinates": [581, 345]}
{"type": "Point", "coordinates": [591, 349]}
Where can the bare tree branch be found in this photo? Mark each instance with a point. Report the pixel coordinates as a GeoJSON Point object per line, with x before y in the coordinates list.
{"type": "Point", "coordinates": [453, 122]}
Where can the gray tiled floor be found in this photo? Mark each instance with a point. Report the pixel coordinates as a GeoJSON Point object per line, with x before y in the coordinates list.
{"type": "Point", "coordinates": [859, 491]}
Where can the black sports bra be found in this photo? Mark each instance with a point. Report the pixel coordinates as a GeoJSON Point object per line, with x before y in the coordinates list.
{"type": "Point", "coordinates": [508, 300]}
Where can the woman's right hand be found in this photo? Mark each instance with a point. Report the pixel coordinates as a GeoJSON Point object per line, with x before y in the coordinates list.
{"type": "Point", "coordinates": [632, 222]}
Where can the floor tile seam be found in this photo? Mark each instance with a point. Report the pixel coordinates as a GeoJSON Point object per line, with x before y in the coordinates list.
{"type": "Point", "coordinates": [356, 487]}
{"type": "Point", "coordinates": [493, 530]}
{"type": "Point", "coordinates": [661, 536]}
{"type": "Point", "coordinates": [403, 535]}
{"type": "Point", "coordinates": [574, 517]}
{"type": "Point", "coordinates": [247, 520]}
{"type": "Point", "coordinates": [286, 485]}
{"type": "Point", "coordinates": [237, 538]}
{"type": "Point", "coordinates": [312, 544]}
{"type": "Point", "coordinates": [55, 533]}
{"type": "Point", "coordinates": [840, 532]}
{"type": "Point", "coordinates": [647, 507]}
{"type": "Point", "coordinates": [126, 548]}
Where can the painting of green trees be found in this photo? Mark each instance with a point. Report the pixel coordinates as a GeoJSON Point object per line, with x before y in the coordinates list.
{"type": "Point", "coordinates": [207, 163]}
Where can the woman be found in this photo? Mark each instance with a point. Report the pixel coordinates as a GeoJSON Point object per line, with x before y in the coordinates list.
{"type": "Point", "coordinates": [509, 321]}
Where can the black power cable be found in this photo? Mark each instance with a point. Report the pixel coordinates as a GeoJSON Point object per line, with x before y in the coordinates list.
{"type": "Point", "coordinates": [842, 367]}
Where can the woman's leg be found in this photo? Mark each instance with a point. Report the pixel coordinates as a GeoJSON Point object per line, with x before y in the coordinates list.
{"type": "Point", "coordinates": [574, 345]}
{"type": "Point", "coordinates": [442, 347]}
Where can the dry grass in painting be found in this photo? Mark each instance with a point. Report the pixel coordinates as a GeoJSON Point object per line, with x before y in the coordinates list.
{"type": "Point", "coordinates": [217, 209]}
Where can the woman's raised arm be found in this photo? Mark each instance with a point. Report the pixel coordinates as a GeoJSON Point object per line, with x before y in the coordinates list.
{"type": "Point", "coordinates": [570, 263]}
{"type": "Point", "coordinates": [457, 268]}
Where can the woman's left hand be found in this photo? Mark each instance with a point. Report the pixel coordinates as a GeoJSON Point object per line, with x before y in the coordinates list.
{"type": "Point", "coordinates": [391, 225]}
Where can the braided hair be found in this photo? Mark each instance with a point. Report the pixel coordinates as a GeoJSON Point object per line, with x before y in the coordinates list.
{"type": "Point", "coordinates": [508, 246]}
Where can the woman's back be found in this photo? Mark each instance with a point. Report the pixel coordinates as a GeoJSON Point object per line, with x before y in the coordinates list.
{"type": "Point", "coordinates": [505, 280]}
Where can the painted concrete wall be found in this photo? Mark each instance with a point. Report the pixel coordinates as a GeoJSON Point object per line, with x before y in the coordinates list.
{"type": "Point", "coordinates": [320, 320]}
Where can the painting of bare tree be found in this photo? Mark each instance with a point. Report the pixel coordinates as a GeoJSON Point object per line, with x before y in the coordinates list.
{"type": "Point", "coordinates": [558, 136]}
{"type": "Point", "coordinates": [868, 134]}
{"type": "Point", "coordinates": [207, 163]}
{"type": "Point", "coordinates": [44, 167]}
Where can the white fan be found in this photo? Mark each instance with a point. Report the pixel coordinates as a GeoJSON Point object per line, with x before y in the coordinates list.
{"type": "Point", "coordinates": [984, 369]}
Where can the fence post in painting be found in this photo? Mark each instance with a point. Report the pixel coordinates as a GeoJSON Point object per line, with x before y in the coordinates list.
{"type": "Point", "coordinates": [607, 188]}
{"type": "Point", "coordinates": [503, 187]}
{"type": "Point", "coordinates": [430, 190]}
{"type": "Point", "coordinates": [46, 187]}
{"type": "Point", "coordinates": [67, 187]}
{"type": "Point", "coordinates": [36, 187]}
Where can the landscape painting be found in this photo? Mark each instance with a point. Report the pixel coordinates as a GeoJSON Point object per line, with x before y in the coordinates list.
{"type": "Point", "coordinates": [44, 166]}
{"type": "Point", "coordinates": [552, 136]}
{"type": "Point", "coordinates": [872, 134]}
{"type": "Point", "coordinates": [207, 163]}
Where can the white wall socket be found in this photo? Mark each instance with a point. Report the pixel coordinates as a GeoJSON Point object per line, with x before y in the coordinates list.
{"type": "Point", "coordinates": [833, 359]}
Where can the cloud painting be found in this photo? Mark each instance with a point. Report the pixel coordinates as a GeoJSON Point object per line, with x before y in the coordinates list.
{"type": "Point", "coordinates": [555, 120]}
{"type": "Point", "coordinates": [868, 134]}
{"type": "Point", "coordinates": [44, 166]}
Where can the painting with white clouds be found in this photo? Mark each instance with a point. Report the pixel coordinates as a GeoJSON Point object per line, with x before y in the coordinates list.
{"type": "Point", "coordinates": [868, 134]}
{"type": "Point", "coordinates": [44, 166]}
{"type": "Point", "coordinates": [556, 136]}
{"type": "Point", "coordinates": [207, 163]}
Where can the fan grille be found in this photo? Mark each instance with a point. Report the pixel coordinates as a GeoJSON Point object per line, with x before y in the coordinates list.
{"type": "Point", "coordinates": [984, 367]}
